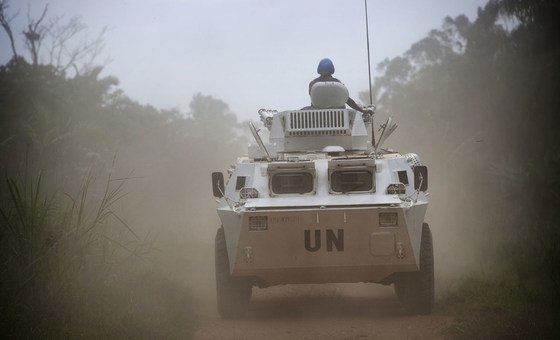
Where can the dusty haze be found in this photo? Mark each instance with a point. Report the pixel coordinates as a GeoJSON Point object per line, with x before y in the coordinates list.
{"type": "Point", "coordinates": [108, 219]}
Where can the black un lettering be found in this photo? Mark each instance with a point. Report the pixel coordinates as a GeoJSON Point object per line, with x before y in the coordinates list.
{"type": "Point", "coordinates": [332, 240]}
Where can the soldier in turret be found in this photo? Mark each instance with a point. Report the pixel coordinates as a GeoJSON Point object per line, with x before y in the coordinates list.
{"type": "Point", "coordinates": [326, 70]}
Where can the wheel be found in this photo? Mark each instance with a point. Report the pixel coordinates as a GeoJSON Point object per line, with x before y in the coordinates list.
{"type": "Point", "coordinates": [416, 290]}
{"type": "Point", "coordinates": [233, 293]}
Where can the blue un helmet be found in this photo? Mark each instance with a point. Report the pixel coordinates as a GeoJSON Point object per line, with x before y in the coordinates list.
{"type": "Point", "coordinates": [326, 67]}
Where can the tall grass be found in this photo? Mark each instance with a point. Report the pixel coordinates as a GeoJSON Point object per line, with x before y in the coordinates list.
{"type": "Point", "coordinates": [26, 218]}
{"type": "Point", "coordinates": [69, 264]}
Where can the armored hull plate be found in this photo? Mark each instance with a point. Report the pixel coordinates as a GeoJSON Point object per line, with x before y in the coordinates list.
{"type": "Point", "coordinates": [321, 245]}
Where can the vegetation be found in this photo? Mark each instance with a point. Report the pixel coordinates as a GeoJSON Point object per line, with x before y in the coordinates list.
{"type": "Point", "coordinates": [81, 256]}
{"type": "Point", "coordinates": [94, 186]}
{"type": "Point", "coordinates": [478, 100]}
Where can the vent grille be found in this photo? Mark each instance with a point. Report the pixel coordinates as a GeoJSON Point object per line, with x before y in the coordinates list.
{"type": "Point", "coordinates": [317, 122]}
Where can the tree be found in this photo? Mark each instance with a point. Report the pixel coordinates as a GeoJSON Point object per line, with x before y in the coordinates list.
{"type": "Point", "coordinates": [479, 103]}
{"type": "Point", "coordinates": [59, 37]}
{"type": "Point", "coordinates": [5, 22]}
{"type": "Point", "coordinates": [34, 35]}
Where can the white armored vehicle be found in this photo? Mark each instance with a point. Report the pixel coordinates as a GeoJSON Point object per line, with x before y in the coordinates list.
{"type": "Point", "coordinates": [321, 203]}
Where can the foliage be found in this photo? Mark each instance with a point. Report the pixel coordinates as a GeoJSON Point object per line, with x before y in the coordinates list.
{"type": "Point", "coordinates": [479, 102]}
{"type": "Point", "coordinates": [91, 264]}
{"type": "Point", "coordinates": [49, 247]}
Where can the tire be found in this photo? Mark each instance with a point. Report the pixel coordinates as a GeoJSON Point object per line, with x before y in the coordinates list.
{"type": "Point", "coordinates": [233, 293]}
{"type": "Point", "coordinates": [416, 290]}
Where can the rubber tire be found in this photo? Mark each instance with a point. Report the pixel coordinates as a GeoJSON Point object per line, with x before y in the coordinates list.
{"type": "Point", "coordinates": [416, 290]}
{"type": "Point", "coordinates": [233, 293]}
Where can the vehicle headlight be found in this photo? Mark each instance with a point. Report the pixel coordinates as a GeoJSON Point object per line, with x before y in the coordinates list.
{"type": "Point", "coordinates": [396, 189]}
{"type": "Point", "coordinates": [388, 219]}
{"type": "Point", "coordinates": [245, 193]}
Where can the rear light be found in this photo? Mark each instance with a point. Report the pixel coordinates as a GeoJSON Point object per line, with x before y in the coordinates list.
{"type": "Point", "coordinates": [258, 223]}
{"type": "Point", "coordinates": [388, 219]}
{"type": "Point", "coordinates": [245, 193]}
{"type": "Point", "coordinates": [396, 189]}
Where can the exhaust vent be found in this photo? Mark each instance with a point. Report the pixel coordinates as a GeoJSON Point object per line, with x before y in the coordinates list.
{"type": "Point", "coordinates": [317, 122]}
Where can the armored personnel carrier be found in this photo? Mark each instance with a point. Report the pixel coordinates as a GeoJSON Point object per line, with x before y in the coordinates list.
{"type": "Point", "coordinates": [322, 202]}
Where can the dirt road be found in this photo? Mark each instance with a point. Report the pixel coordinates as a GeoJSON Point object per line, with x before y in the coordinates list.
{"type": "Point", "coordinates": [353, 311]}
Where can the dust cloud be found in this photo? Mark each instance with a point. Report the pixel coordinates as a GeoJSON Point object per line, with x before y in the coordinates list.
{"type": "Point", "coordinates": [180, 211]}
{"type": "Point", "coordinates": [108, 219]}
{"type": "Point", "coordinates": [166, 273]}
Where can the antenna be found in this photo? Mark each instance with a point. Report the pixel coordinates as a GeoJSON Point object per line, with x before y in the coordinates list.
{"type": "Point", "coordinates": [369, 74]}
{"type": "Point", "coordinates": [368, 55]}
{"type": "Point", "coordinates": [255, 133]}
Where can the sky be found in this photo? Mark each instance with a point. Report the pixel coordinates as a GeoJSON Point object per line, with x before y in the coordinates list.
{"type": "Point", "coordinates": [251, 54]}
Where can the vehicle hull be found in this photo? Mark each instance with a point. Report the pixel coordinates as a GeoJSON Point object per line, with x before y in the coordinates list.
{"type": "Point", "coordinates": [328, 245]}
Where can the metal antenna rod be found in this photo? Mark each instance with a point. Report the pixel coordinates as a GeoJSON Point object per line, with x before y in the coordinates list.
{"type": "Point", "coordinates": [369, 74]}
{"type": "Point", "coordinates": [368, 55]}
